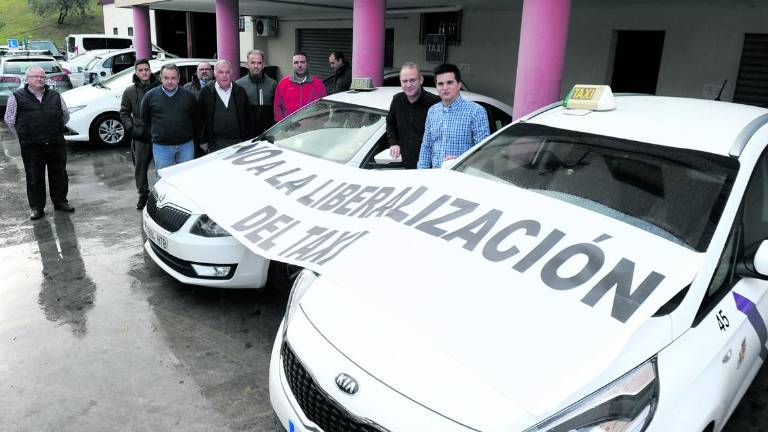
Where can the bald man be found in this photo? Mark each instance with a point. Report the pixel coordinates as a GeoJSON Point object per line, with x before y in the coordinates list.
{"type": "Point", "coordinates": [37, 114]}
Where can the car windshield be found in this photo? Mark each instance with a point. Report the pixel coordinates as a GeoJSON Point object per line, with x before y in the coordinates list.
{"type": "Point", "coordinates": [674, 193]}
{"type": "Point", "coordinates": [20, 66]}
{"type": "Point", "coordinates": [329, 130]}
{"type": "Point", "coordinates": [83, 59]}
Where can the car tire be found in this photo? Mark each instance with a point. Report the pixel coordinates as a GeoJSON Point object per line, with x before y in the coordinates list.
{"type": "Point", "coordinates": [281, 276]}
{"type": "Point", "coordinates": [107, 130]}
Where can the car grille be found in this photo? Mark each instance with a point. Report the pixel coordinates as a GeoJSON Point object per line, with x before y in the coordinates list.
{"type": "Point", "coordinates": [316, 404]}
{"type": "Point", "coordinates": [185, 267]}
{"type": "Point", "coordinates": [170, 218]}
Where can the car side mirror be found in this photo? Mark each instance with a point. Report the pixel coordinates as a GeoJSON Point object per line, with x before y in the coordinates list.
{"type": "Point", "coordinates": [755, 267]}
{"type": "Point", "coordinates": [383, 158]}
{"type": "Point", "coordinates": [760, 261]}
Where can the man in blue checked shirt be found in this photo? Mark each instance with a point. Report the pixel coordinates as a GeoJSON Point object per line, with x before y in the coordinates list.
{"type": "Point", "coordinates": [454, 125]}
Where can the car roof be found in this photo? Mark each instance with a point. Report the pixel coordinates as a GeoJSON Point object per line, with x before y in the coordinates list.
{"type": "Point", "coordinates": [694, 124]}
{"type": "Point", "coordinates": [381, 98]}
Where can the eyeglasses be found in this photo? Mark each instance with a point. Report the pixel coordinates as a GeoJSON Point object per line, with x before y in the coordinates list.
{"type": "Point", "coordinates": [36, 76]}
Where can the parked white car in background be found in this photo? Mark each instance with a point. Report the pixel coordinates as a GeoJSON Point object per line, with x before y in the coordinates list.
{"type": "Point", "coordinates": [629, 288]}
{"type": "Point", "coordinates": [347, 128]}
{"type": "Point", "coordinates": [76, 66]}
{"type": "Point", "coordinates": [94, 110]}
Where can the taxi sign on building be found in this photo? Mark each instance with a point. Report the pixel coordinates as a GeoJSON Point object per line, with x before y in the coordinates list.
{"type": "Point", "coordinates": [590, 97]}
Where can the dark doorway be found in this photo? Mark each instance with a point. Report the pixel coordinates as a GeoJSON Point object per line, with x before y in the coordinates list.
{"type": "Point", "coordinates": [752, 82]}
{"type": "Point", "coordinates": [171, 29]}
{"type": "Point", "coordinates": [636, 61]}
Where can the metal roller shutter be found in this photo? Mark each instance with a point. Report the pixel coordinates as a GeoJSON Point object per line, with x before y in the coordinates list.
{"type": "Point", "coordinates": [318, 45]}
{"type": "Point", "coordinates": [752, 82]}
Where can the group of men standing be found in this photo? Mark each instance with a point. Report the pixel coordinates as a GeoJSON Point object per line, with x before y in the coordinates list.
{"type": "Point", "coordinates": [167, 123]}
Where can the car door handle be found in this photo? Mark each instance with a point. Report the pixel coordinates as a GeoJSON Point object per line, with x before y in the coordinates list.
{"type": "Point", "coordinates": [727, 356]}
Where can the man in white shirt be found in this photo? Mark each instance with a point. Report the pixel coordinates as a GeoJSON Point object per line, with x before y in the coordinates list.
{"type": "Point", "coordinates": [224, 110]}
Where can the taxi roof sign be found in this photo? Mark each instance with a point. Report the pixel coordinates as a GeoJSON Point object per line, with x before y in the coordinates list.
{"type": "Point", "coordinates": [590, 97]}
{"type": "Point", "coordinates": [362, 84]}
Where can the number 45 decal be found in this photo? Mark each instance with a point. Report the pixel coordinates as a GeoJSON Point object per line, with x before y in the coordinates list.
{"type": "Point", "coordinates": [722, 320]}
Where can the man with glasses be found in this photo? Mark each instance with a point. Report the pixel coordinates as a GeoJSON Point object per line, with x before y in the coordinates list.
{"type": "Point", "coordinates": [200, 79]}
{"type": "Point", "coordinates": [407, 114]}
{"type": "Point", "coordinates": [37, 114]}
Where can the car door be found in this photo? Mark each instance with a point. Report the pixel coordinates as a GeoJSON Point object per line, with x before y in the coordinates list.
{"type": "Point", "coordinates": [497, 118]}
{"type": "Point", "coordinates": [733, 314]}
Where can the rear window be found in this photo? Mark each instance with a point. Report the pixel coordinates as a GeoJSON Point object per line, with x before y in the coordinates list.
{"type": "Point", "coordinates": [20, 66]}
{"type": "Point", "coordinates": [106, 43]}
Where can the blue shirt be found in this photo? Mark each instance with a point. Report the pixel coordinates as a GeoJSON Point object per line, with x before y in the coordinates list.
{"type": "Point", "coordinates": [170, 93]}
{"type": "Point", "coordinates": [451, 130]}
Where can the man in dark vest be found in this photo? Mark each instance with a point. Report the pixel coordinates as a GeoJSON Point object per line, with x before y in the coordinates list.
{"type": "Point", "coordinates": [261, 92]}
{"type": "Point", "coordinates": [225, 111]}
{"type": "Point", "coordinates": [37, 114]}
{"type": "Point", "coordinates": [130, 106]}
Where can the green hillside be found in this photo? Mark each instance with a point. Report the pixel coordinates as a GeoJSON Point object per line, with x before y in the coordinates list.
{"type": "Point", "coordinates": [17, 21]}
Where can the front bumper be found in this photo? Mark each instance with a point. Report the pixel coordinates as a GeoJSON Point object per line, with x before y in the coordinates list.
{"type": "Point", "coordinates": [375, 407]}
{"type": "Point", "coordinates": [179, 253]}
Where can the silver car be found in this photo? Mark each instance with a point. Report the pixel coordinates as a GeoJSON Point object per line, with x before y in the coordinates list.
{"type": "Point", "coordinates": [13, 69]}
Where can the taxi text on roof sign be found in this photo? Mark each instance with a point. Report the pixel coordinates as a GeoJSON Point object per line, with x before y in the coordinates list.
{"type": "Point", "coordinates": [590, 97]}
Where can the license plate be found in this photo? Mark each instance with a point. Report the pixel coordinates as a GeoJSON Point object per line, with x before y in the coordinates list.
{"type": "Point", "coordinates": [156, 237]}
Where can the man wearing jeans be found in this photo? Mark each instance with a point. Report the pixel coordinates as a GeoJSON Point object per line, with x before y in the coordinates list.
{"type": "Point", "coordinates": [168, 113]}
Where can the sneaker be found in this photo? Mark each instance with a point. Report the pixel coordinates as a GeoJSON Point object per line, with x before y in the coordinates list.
{"type": "Point", "coordinates": [142, 202]}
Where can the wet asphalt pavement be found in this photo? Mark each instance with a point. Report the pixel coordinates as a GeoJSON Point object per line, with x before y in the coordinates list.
{"type": "Point", "coordinates": [95, 337]}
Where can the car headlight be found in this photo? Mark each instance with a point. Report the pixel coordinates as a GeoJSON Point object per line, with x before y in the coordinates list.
{"type": "Point", "coordinates": [303, 281]}
{"type": "Point", "coordinates": [75, 109]}
{"type": "Point", "coordinates": [206, 227]}
{"type": "Point", "coordinates": [625, 405]}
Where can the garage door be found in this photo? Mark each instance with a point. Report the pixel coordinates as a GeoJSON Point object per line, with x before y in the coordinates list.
{"type": "Point", "coordinates": [319, 43]}
{"type": "Point", "coordinates": [752, 82]}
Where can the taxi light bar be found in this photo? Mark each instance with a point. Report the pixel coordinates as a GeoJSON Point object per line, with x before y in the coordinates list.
{"type": "Point", "coordinates": [590, 97]}
{"type": "Point", "coordinates": [362, 84]}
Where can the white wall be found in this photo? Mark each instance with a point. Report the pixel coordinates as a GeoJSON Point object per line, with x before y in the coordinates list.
{"type": "Point", "coordinates": [122, 18]}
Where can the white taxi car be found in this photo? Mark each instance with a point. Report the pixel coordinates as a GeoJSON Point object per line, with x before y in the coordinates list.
{"type": "Point", "coordinates": [574, 338]}
{"type": "Point", "coordinates": [94, 110]}
{"type": "Point", "coordinates": [347, 128]}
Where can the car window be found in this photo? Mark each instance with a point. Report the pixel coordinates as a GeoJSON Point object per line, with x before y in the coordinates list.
{"type": "Point", "coordinates": [19, 66]}
{"type": "Point", "coordinates": [118, 43]}
{"type": "Point", "coordinates": [329, 130]}
{"type": "Point", "coordinates": [673, 193]}
{"type": "Point", "coordinates": [44, 45]}
{"type": "Point", "coordinates": [497, 118]}
{"type": "Point", "coordinates": [749, 229]}
{"type": "Point", "coordinates": [71, 44]}
{"type": "Point", "coordinates": [119, 80]}
{"type": "Point", "coordinates": [122, 62]}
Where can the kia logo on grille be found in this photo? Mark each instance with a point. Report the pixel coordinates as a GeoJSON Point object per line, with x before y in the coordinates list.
{"type": "Point", "coordinates": [347, 384]}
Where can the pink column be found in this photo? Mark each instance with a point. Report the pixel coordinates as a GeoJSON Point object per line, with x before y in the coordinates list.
{"type": "Point", "coordinates": [142, 38]}
{"type": "Point", "coordinates": [543, 36]}
{"type": "Point", "coordinates": [368, 40]}
{"type": "Point", "coordinates": [228, 34]}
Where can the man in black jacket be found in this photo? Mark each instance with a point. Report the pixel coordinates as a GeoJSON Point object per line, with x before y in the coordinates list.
{"type": "Point", "coordinates": [37, 114]}
{"type": "Point", "coordinates": [200, 79]}
{"type": "Point", "coordinates": [261, 92]}
{"type": "Point", "coordinates": [225, 111]}
{"type": "Point", "coordinates": [407, 115]}
{"type": "Point", "coordinates": [130, 106]}
{"type": "Point", "coordinates": [341, 79]}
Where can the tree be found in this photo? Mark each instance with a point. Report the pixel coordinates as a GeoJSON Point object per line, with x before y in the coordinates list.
{"type": "Point", "coordinates": [63, 7]}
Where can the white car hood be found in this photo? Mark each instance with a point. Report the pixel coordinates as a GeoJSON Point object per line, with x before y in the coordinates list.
{"type": "Point", "coordinates": [487, 347]}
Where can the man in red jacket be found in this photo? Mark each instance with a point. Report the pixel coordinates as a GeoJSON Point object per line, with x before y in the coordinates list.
{"type": "Point", "coordinates": [298, 89]}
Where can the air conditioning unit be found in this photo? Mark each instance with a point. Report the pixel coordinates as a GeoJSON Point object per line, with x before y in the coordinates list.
{"type": "Point", "coordinates": [265, 26]}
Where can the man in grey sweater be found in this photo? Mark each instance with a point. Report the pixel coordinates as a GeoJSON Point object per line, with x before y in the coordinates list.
{"type": "Point", "coordinates": [169, 113]}
{"type": "Point", "coordinates": [261, 92]}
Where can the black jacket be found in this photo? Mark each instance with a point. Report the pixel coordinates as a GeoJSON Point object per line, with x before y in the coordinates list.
{"type": "Point", "coordinates": [207, 106]}
{"type": "Point", "coordinates": [130, 107]}
{"type": "Point", "coordinates": [39, 122]}
{"type": "Point", "coordinates": [340, 81]}
{"type": "Point", "coordinates": [193, 86]}
{"type": "Point", "coordinates": [261, 96]}
{"type": "Point", "coordinates": [405, 124]}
